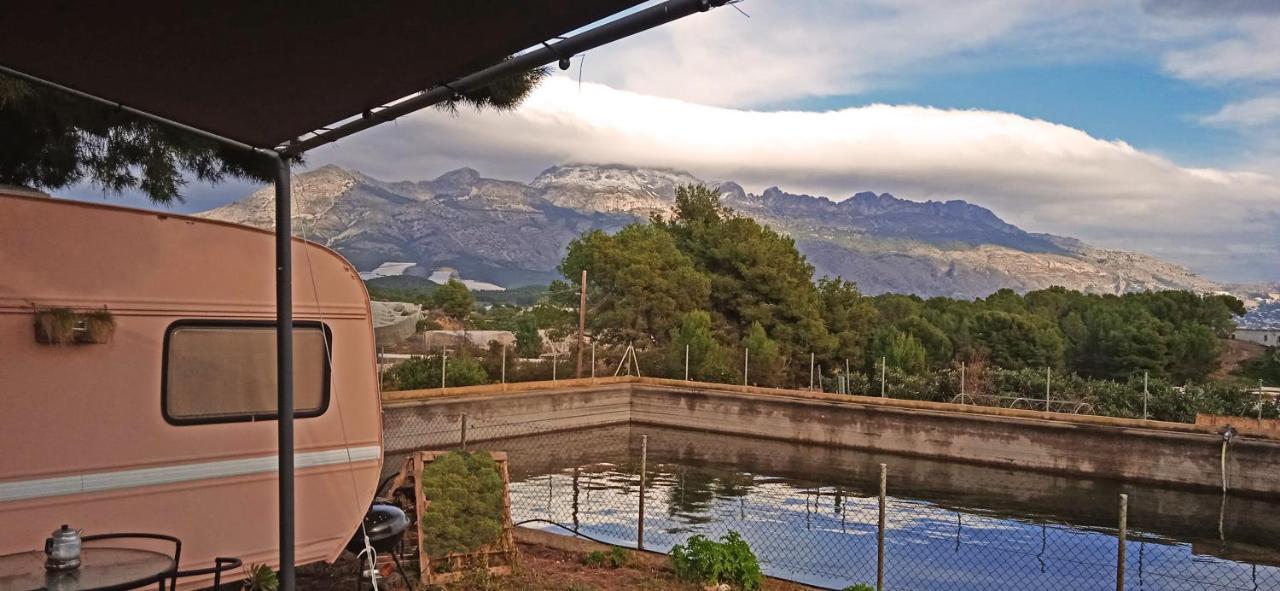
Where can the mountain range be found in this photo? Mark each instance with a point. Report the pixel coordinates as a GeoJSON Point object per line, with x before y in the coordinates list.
{"type": "Point", "coordinates": [512, 233]}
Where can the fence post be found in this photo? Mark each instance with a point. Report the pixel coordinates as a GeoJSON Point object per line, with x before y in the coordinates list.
{"type": "Point", "coordinates": [1124, 531]}
{"type": "Point", "coordinates": [961, 382]}
{"type": "Point", "coordinates": [746, 365]}
{"type": "Point", "coordinates": [811, 370]}
{"type": "Point", "coordinates": [644, 455]}
{"type": "Point", "coordinates": [593, 361]}
{"type": "Point", "coordinates": [504, 363]}
{"type": "Point", "coordinates": [1260, 399]}
{"type": "Point", "coordinates": [884, 478]}
{"type": "Point", "coordinates": [686, 362]}
{"type": "Point", "coordinates": [884, 363]}
{"type": "Point", "coordinates": [1145, 393]}
{"type": "Point", "coordinates": [464, 431]}
{"type": "Point", "coordinates": [444, 354]}
{"type": "Point", "coordinates": [1048, 380]}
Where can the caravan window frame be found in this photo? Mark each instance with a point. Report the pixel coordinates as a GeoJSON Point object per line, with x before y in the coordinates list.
{"type": "Point", "coordinates": [325, 394]}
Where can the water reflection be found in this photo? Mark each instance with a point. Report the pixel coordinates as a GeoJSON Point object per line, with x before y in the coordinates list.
{"type": "Point", "coordinates": [811, 512]}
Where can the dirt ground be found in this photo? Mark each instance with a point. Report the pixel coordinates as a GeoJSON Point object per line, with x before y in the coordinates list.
{"type": "Point", "coordinates": [1236, 353]}
{"type": "Point", "coordinates": [542, 568]}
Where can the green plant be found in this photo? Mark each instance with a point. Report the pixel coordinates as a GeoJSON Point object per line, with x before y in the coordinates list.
{"type": "Point", "coordinates": [55, 326]}
{"type": "Point", "coordinates": [615, 558]}
{"type": "Point", "coordinates": [467, 510]}
{"type": "Point", "coordinates": [261, 578]}
{"type": "Point", "coordinates": [729, 561]}
{"type": "Point", "coordinates": [859, 587]}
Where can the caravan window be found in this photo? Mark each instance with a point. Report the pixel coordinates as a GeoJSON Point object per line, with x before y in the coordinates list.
{"type": "Point", "coordinates": [219, 371]}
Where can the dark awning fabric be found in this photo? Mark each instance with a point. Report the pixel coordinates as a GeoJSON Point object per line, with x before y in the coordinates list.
{"type": "Point", "coordinates": [264, 72]}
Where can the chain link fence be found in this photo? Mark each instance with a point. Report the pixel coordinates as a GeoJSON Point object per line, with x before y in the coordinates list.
{"type": "Point", "coordinates": [829, 532]}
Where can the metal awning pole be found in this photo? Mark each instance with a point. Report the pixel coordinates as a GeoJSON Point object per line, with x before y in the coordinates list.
{"type": "Point", "coordinates": [284, 369]}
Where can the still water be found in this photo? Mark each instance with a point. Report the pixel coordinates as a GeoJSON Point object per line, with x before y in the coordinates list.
{"type": "Point", "coordinates": [811, 513]}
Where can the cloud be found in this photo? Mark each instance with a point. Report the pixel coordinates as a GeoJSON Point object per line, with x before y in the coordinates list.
{"type": "Point", "coordinates": [1250, 113]}
{"type": "Point", "coordinates": [1040, 175]}
{"type": "Point", "coordinates": [789, 49]}
{"type": "Point", "coordinates": [1251, 52]}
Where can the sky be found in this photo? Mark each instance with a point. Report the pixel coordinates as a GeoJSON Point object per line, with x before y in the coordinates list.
{"type": "Point", "coordinates": [1149, 125]}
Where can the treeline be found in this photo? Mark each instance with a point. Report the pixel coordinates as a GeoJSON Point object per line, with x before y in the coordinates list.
{"type": "Point", "coordinates": [722, 283]}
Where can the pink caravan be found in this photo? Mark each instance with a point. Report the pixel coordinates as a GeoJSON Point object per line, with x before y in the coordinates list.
{"type": "Point", "coordinates": [168, 426]}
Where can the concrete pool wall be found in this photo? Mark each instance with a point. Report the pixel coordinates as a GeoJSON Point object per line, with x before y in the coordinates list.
{"type": "Point", "coordinates": [1175, 454]}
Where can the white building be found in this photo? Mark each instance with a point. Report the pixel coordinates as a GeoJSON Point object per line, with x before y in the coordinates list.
{"type": "Point", "coordinates": [1269, 337]}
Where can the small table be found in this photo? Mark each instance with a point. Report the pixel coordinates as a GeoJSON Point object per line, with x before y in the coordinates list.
{"type": "Point", "coordinates": [102, 568]}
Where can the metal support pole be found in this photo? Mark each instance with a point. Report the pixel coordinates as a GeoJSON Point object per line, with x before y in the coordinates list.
{"type": "Point", "coordinates": [961, 382]}
{"type": "Point", "coordinates": [593, 360]}
{"type": "Point", "coordinates": [847, 375]}
{"type": "Point", "coordinates": [555, 362]}
{"type": "Point", "coordinates": [444, 354]}
{"type": "Point", "coordinates": [644, 459]}
{"type": "Point", "coordinates": [1260, 398]}
{"type": "Point", "coordinates": [284, 370]}
{"type": "Point", "coordinates": [884, 481]}
{"type": "Point", "coordinates": [582, 323]}
{"type": "Point", "coordinates": [1146, 393]}
{"type": "Point", "coordinates": [884, 363]}
{"type": "Point", "coordinates": [504, 363]}
{"type": "Point", "coordinates": [463, 436]}
{"type": "Point", "coordinates": [811, 370]}
{"type": "Point", "coordinates": [746, 365]}
{"type": "Point", "coordinates": [1048, 379]}
{"type": "Point", "coordinates": [686, 362]}
{"type": "Point", "coordinates": [1124, 533]}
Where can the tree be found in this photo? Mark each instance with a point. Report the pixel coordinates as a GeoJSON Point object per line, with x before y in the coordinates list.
{"type": "Point", "coordinates": [900, 351]}
{"type": "Point", "coordinates": [850, 317]}
{"type": "Point", "coordinates": [756, 274]}
{"type": "Point", "coordinates": [639, 284]}
{"type": "Point", "coordinates": [53, 140]}
{"type": "Point", "coordinates": [764, 358]}
{"type": "Point", "coordinates": [708, 361]}
{"type": "Point", "coordinates": [454, 299]}
{"type": "Point", "coordinates": [528, 341]}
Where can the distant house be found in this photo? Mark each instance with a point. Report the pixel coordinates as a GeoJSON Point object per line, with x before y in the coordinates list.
{"type": "Point", "coordinates": [1269, 337]}
{"type": "Point", "coordinates": [436, 339]}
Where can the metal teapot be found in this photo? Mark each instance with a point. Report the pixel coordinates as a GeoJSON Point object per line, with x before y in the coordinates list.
{"type": "Point", "coordinates": [62, 549]}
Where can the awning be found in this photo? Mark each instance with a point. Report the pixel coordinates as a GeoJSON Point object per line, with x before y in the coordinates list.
{"type": "Point", "coordinates": [264, 73]}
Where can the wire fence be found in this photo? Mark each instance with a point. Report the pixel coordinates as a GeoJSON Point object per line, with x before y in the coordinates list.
{"type": "Point", "coordinates": [829, 532]}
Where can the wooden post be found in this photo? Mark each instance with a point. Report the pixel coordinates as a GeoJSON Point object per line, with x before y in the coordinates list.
{"type": "Point", "coordinates": [582, 322]}
{"type": "Point", "coordinates": [644, 456]}
{"type": "Point", "coordinates": [1124, 532]}
{"type": "Point", "coordinates": [884, 479]}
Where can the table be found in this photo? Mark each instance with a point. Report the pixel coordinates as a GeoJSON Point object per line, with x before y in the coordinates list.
{"type": "Point", "coordinates": [101, 569]}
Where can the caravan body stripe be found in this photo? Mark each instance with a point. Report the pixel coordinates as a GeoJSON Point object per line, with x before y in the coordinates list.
{"type": "Point", "coordinates": [123, 479]}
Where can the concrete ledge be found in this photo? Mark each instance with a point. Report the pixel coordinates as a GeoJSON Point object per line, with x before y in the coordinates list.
{"type": "Point", "coordinates": [1177, 454]}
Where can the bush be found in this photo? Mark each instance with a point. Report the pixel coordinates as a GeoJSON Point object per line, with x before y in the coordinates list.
{"type": "Point", "coordinates": [615, 558]}
{"type": "Point", "coordinates": [859, 587]}
{"type": "Point", "coordinates": [729, 561]}
{"type": "Point", "coordinates": [424, 372]}
{"type": "Point", "coordinates": [466, 510]}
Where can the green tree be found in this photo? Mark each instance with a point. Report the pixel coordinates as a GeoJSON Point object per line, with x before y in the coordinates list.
{"type": "Point", "coordinates": [638, 283]}
{"type": "Point", "coordinates": [708, 360]}
{"type": "Point", "coordinates": [900, 351]}
{"type": "Point", "coordinates": [454, 299]}
{"type": "Point", "coordinates": [764, 357]}
{"type": "Point", "coordinates": [756, 274]}
{"type": "Point", "coordinates": [528, 341]}
{"type": "Point", "coordinates": [850, 318]}
{"type": "Point", "coordinates": [1016, 341]}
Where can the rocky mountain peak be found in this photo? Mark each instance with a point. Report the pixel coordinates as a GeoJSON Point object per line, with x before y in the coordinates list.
{"type": "Point", "coordinates": [462, 178]}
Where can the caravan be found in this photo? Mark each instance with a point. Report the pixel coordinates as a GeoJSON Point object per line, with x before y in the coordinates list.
{"type": "Point", "coordinates": [137, 383]}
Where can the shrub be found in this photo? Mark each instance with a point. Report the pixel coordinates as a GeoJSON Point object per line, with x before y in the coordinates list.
{"type": "Point", "coordinates": [859, 587]}
{"type": "Point", "coordinates": [729, 561]}
{"type": "Point", "coordinates": [466, 510]}
{"type": "Point", "coordinates": [261, 578]}
{"type": "Point", "coordinates": [424, 372]}
{"type": "Point", "coordinates": [615, 558]}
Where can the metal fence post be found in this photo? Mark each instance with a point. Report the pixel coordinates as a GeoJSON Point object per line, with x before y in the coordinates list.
{"type": "Point", "coordinates": [884, 478]}
{"type": "Point", "coordinates": [1124, 531]}
{"type": "Point", "coordinates": [464, 432]}
{"type": "Point", "coordinates": [961, 382]}
{"type": "Point", "coordinates": [746, 365]}
{"type": "Point", "coordinates": [1146, 375]}
{"type": "Point", "coordinates": [1048, 380]}
{"type": "Point", "coordinates": [686, 362]}
{"type": "Point", "coordinates": [504, 363]}
{"type": "Point", "coordinates": [644, 455]}
{"type": "Point", "coordinates": [884, 364]}
{"type": "Point", "coordinates": [810, 370]}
